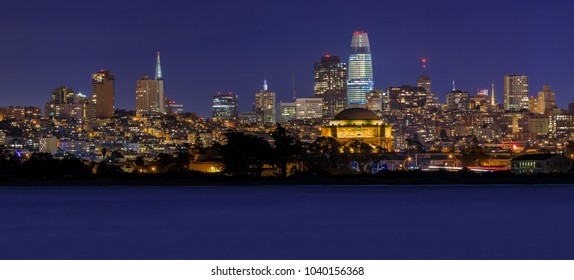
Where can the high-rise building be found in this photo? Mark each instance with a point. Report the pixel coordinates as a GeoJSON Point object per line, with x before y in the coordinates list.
{"type": "Point", "coordinates": [515, 92]}
{"type": "Point", "coordinates": [264, 106]}
{"type": "Point", "coordinates": [360, 78]}
{"type": "Point", "coordinates": [331, 84]}
{"type": "Point", "coordinates": [458, 100]}
{"type": "Point", "coordinates": [287, 111]}
{"type": "Point", "coordinates": [424, 80]}
{"type": "Point", "coordinates": [103, 94]}
{"type": "Point", "coordinates": [146, 97]}
{"type": "Point", "coordinates": [309, 108]}
{"type": "Point", "coordinates": [375, 101]}
{"type": "Point", "coordinates": [62, 95]}
{"type": "Point", "coordinates": [65, 103]}
{"type": "Point", "coordinates": [159, 87]}
{"type": "Point", "coordinates": [150, 99]}
{"type": "Point", "coordinates": [224, 106]}
{"type": "Point", "coordinates": [406, 96]}
{"type": "Point", "coordinates": [546, 100]}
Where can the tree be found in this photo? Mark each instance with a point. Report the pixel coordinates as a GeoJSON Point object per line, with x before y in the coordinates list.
{"type": "Point", "coordinates": [330, 151]}
{"type": "Point", "coordinates": [182, 161]}
{"type": "Point", "coordinates": [285, 149]}
{"type": "Point", "coordinates": [164, 160]}
{"type": "Point", "coordinates": [243, 154]}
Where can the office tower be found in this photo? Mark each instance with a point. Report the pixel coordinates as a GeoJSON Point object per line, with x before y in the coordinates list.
{"type": "Point", "coordinates": [406, 96]}
{"type": "Point", "coordinates": [458, 100]}
{"type": "Point", "coordinates": [571, 108]}
{"type": "Point", "coordinates": [515, 92]}
{"type": "Point", "coordinates": [424, 80]}
{"type": "Point", "coordinates": [62, 95]}
{"type": "Point", "coordinates": [65, 103]}
{"type": "Point", "coordinates": [330, 77]}
{"type": "Point", "coordinates": [360, 77]}
{"type": "Point", "coordinates": [159, 86]}
{"type": "Point", "coordinates": [546, 100]}
{"type": "Point", "coordinates": [103, 94]}
{"type": "Point", "coordinates": [264, 106]}
{"type": "Point", "coordinates": [147, 102]}
{"type": "Point", "coordinates": [309, 108]}
{"type": "Point", "coordinates": [287, 111]}
{"type": "Point", "coordinates": [224, 107]}
{"type": "Point", "coordinates": [375, 101]}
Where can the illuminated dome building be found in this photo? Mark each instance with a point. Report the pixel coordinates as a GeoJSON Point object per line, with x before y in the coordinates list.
{"type": "Point", "coordinates": [359, 124]}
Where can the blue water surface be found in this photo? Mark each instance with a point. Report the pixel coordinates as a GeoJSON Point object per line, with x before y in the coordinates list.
{"type": "Point", "coordinates": [288, 222]}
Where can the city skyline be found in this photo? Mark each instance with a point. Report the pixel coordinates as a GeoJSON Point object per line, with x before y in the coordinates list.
{"type": "Point", "coordinates": [219, 56]}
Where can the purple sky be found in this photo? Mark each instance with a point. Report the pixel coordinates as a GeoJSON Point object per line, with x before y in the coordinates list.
{"type": "Point", "coordinates": [220, 46]}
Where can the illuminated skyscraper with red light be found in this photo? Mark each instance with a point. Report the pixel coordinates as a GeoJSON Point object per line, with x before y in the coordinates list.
{"type": "Point", "coordinates": [360, 77]}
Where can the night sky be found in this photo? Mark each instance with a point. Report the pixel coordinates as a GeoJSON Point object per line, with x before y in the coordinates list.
{"type": "Point", "coordinates": [221, 46]}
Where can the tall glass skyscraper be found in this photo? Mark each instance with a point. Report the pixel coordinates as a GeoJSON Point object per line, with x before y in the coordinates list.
{"type": "Point", "coordinates": [360, 78]}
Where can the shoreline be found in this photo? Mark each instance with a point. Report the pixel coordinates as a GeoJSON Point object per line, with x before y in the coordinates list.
{"type": "Point", "coordinates": [386, 179]}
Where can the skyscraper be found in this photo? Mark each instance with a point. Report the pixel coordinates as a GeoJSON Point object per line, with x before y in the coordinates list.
{"type": "Point", "coordinates": [515, 92]}
{"type": "Point", "coordinates": [224, 107]}
{"type": "Point", "coordinates": [103, 94]}
{"type": "Point", "coordinates": [264, 106]}
{"type": "Point", "coordinates": [330, 77]}
{"type": "Point", "coordinates": [458, 100]}
{"type": "Point", "coordinates": [546, 100]}
{"type": "Point", "coordinates": [159, 86]}
{"type": "Point", "coordinates": [360, 78]}
{"type": "Point", "coordinates": [424, 80]}
{"type": "Point", "coordinates": [147, 102]}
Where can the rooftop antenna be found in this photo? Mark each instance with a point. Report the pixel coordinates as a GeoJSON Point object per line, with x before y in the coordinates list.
{"type": "Point", "coordinates": [265, 85]}
{"type": "Point", "coordinates": [424, 62]}
{"type": "Point", "coordinates": [453, 86]}
{"type": "Point", "coordinates": [293, 86]}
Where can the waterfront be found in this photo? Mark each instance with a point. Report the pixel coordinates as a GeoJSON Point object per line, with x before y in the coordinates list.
{"type": "Point", "coordinates": [288, 222]}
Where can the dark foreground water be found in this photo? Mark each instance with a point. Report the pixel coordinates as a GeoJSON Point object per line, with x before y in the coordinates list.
{"type": "Point", "coordinates": [297, 222]}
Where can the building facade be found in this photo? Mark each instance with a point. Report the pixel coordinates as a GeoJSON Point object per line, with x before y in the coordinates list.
{"type": "Point", "coordinates": [515, 92]}
{"type": "Point", "coordinates": [330, 76]}
{"type": "Point", "coordinates": [360, 77]}
{"type": "Point", "coordinates": [546, 100]}
{"type": "Point", "coordinates": [103, 94]}
{"type": "Point", "coordinates": [458, 100]}
{"type": "Point", "coordinates": [147, 102]}
{"type": "Point", "coordinates": [287, 111]}
{"type": "Point", "coordinates": [541, 163]}
{"type": "Point", "coordinates": [309, 108]}
{"type": "Point", "coordinates": [65, 103]}
{"type": "Point", "coordinates": [265, 108]}
{"type": "Point", "coordinates": [406, 96]}
{"type": "Point", "coordinates": [359, 124]}
{"type": "Point", "coordinates": [224, 107]}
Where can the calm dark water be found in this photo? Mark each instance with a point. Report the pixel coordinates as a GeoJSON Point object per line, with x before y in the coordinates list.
{"type": "Point", "coordinates": [297, 222]}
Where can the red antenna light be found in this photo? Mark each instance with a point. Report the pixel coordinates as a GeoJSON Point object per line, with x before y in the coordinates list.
{"type": "Point", "coordinates": [327, 55]}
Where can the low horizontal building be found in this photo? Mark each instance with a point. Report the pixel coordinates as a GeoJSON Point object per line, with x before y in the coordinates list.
{"type": "Point", "coordinates": [541, 163]}
{"type": "Point", "coordinates": [359, 124]}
